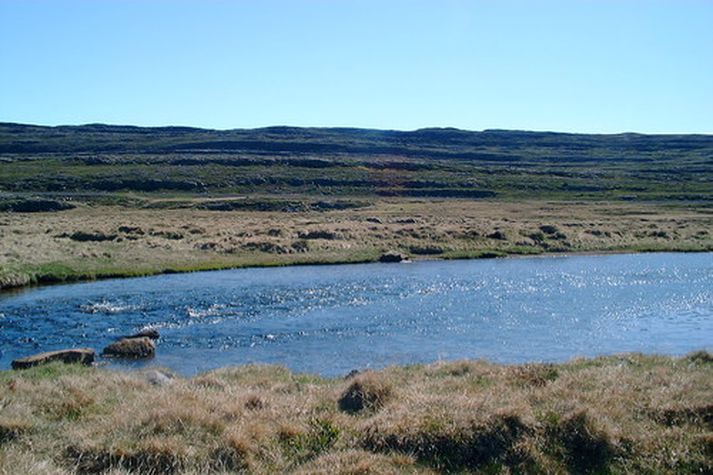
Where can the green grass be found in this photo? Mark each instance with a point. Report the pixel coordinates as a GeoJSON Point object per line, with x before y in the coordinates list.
{"type": "Point", "coordinates": [339, 163]}
{"type": "Point", "coordinates": [59, 272]}
{"type": "Point", "coordinates": [49, 372]}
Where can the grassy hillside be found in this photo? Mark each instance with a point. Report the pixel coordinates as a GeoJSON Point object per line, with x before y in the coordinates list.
{"type": "Point", "coordinates": [97, 200]}
{"type": "Point", "coordinates": [336, 162]}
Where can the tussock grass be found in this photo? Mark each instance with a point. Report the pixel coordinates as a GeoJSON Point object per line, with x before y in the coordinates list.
{"type": "Point", "coordinates": [620, 414]}
{"type": "Point", "coordinates": [114, 241]}
{"type": "Point", "coordinates": [368, 391]}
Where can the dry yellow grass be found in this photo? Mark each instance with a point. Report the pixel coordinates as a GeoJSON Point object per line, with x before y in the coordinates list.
{"type": "Point", "coordinates": [621, 414]}
{"type": "Point", "coordinates": [89, 242]}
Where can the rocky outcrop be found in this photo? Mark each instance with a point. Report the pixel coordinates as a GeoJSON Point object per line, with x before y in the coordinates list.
{"type": "Point", "coordinates": [82, 236]}
{"type": "Point", "coordinates": [83, 356]}
{"type": "Point", "coordinates": [318, 234]}
{"type": "Point", "coordinates": [393, 256]}
{"type": "Point", "coordinates": [142, 347]}
{"type": "Point", "coordinates": [34, 206]}
{"type": "Point", "coordinates": [426, 250]}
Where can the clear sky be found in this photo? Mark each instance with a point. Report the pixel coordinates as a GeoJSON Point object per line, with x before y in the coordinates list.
{"type": "Point", "coordinates": [569, 65]}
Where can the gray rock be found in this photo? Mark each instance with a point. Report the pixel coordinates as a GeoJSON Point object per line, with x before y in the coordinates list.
{"type": "Point", "coordinates": [159, 378]}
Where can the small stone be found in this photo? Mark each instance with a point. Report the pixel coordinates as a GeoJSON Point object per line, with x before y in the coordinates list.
{"type": "Point", "coordinates": [159, 378]}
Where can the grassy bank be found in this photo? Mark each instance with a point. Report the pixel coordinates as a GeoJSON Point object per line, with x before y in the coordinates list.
{"type": "Point", "coordinates": [95, 241]}
{"type": "Point", "coordinates": [620, 414]}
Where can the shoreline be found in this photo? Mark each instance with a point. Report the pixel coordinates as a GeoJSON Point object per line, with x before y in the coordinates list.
{"type": "Point", "coordinates": [52, 280]}
{"type": "Point", "coordinates": [104, 363]}
{"type": "Point", "coordinates": [113, 365]}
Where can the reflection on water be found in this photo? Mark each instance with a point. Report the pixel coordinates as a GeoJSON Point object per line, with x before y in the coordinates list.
{"type": "Point", "coordinates": [331, 319]}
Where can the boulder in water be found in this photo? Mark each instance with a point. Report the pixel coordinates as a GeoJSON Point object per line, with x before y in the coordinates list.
{"type": "Point", "coordinates": [83, 356]}
{"type": "Point", "coordinates": [393, 256]}
{"type": "Point", "coordinates": [148, 333]}
{"type": "Point", "coordinates": [143, 347]}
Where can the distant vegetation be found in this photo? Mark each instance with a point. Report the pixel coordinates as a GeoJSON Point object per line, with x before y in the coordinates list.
{"type": "Point", "coordinates": [336, 162]}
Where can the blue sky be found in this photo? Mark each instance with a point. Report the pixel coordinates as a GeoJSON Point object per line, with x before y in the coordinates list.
{"type": "Point", "coordinates": [573, 65]}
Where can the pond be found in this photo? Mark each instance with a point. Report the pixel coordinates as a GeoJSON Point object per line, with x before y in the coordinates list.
{"type": "Point", "coordinates": [332, 319]}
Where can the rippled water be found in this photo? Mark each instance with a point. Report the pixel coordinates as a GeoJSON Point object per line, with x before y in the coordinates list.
{"type": "Point", "coordinates": [331, 319]}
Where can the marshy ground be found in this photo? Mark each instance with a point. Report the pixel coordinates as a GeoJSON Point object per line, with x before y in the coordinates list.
{"type": "Point", "coordinates": [618, 414]}
{"type": "Point", "coordinates": [163, 235]}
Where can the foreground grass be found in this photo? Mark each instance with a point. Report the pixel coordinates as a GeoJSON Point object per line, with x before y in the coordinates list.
{"type": "Point", "coordinates": [620, 414]}
{"type": "Point", "coordinates": [95, 241]}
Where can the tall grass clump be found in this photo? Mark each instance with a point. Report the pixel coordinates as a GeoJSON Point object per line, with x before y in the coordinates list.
{"type": "Point", "coordinates": [368, 392]}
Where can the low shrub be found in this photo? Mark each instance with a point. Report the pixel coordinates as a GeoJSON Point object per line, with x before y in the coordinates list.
{"type": "Point", "coordinates": [700, 357]}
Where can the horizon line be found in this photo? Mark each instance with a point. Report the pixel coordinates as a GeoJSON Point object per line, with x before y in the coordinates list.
{"type": "Point", "coordinates": [341, 127]}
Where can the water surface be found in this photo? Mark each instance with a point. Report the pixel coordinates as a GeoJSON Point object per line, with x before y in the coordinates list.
{"type": "Point", "coordinates": [331, 319]}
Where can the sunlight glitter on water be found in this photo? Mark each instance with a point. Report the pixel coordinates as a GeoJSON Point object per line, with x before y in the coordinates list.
{"type": "Point", "coordinates": [331, 319]}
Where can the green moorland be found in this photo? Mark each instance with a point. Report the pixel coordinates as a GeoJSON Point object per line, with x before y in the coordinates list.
{"type": "Point", "coordinates": [83, 202]}
{"type": "Point", "coordinates": [618, 414]}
